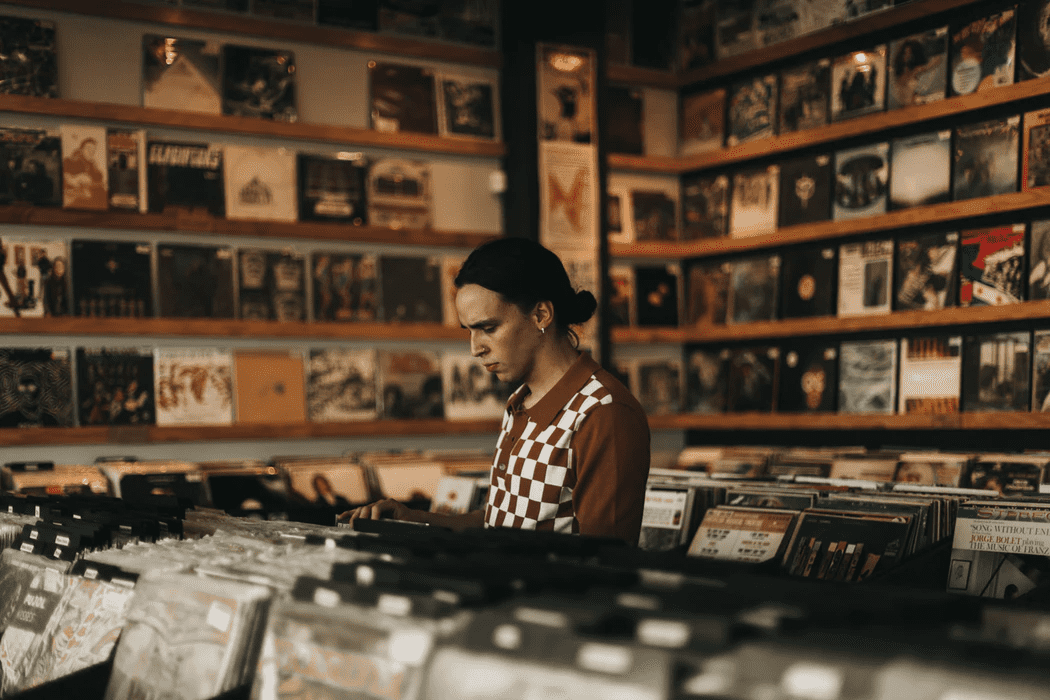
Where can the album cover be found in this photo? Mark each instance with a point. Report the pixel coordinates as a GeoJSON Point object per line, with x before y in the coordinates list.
{"type": "Point", "coordinates": [31, 630]}
{"type": "Point", "coordinates": [193, 386]}
{"type": "Point", "coordinates": [867, 376]}
{"type": "Point", "coordinates": [624, 120]}
{"type": "Point", "coordinates": [126, 169]}
{"type": "Point", "coordinates": [656, 295]}
{"type": "Point", "coordinates": [621, 304]}
{"type": "Point", "coordinates": [1041, 371]}
{"type": "Point", "coordinates": [403, 98]}
{"type": "Point", "coordinates": [918, 66]}
{"type": "Point", "coordinates": [29, 61]}
{"type": "Point", "coordinates": [753, 286]}
{"type": "Point", "coordinates": [858, 83]}
{"type": "Point", "coordinates": [258, 83]}
{"type": "Point", "coordinates": [737, 29]}
{"type": "Point", "coordinates": [702, 119]}
{"type": "Point", "coordinates": [752, 110]}
{"type": "Point", "coordinates": [271, 285]}
{"type": "Point", "coordinates": [753, 375]}
{"type": "Point", "coordinates": [981, 565]}
{"type": "Point", "coordinates": [85, 181]}
{"type": "Point", "coordinates": [270, 386]}
{"type": "Point", "coordinates": [298, 10]}
{"type": "Point", "coordinates": [659, 386]}
{"type": "Point", "coordinates": [922, 167]}
{"type": "Point", "coordinates": [260, 183]}
{"type": "Point", "coordinates": [111, 278]}
{"type": "Point", "coordinates": [750, 535]}
{"type": "Point", "coordinates": [992, 266]}
{"type": "Point", "coordinates": [181, 74]}
{"type": "Point", "coordinates": [115, 386]}
{"type": "Point", "coordinates": [620, 229]}
{"type": "Point", "coordinates": [865, 278]}
{"type": "Point", "coordinates": [34, 278]}
{"type": "Point", "coordinates": [810, 281]}
{"type": "Point", "coordinates": [707, 380]}
{"type": "Point", "coordinates": [696, 33]}
{"type": "Point", "coordinates": [345, 286]}
{"type": "Point", "coordinates": [467, 107]}
{"type": "Point", "coordinates": [996, 372]}
{"type": "Point", "coordinates": [861, 179]}
{"type": "Point", "coordinates": [925, 276]}
{"type": "Point", "coordinates": [185, 177]}
{"type": "Point", "coordinates": [805, 96]}
{"type": "Point", "coordinates": [809, 372]}
{"type": "Point", "coordinates": [754, 207]}
{"type": "Point", "coordinates": [653, 216]}
{"type": "Point", "coordinates": [983, 53]}
{"type": "Point", "coordinates": [450, 266]}
{"type": "Point", "coordinates": [932, 469]}
{"type": "Point", "coordinates": [410, 289]}
{"type": "Point", "coordinates": [705, 207]}
{"type": "Point", "coordinates": [869, 544]}
{"type": "Point", "coordinates": [37, 388]}
{"type": "Point", "coordinates": [399, 194]}
{"type": "Point", "coordinates": [195, 281]}
{"type": "Point", "coordinates": [1035, 156]}
{"type": "Point", "coordinates": [931, 374]}
{"type": "Point", "coordinates": [471, 392]}
{"type": "Point", "coordinates": [1033, 39]}
{"type": "Point", "coordinates": [985, 158]}
{"type": "Point", "coordinates": [350, 15]}
{"type": "Point", "coordinates": [333, 188]}
{"type": "Point", "coordinates": [566, 90]}
{"type": "Point", "coordinates": [707, 293]}
{"type": "Point", "coordinates": [667, 517]}
{"type": "Point", "coordinates": [1039, 260]}
{"type": "Point", "coordinates": [411, 385]}
{"type": "Point", "coordinates": [805, 190]}
{"type": "Point", "coordinates": [30, 167]}
{"type": "Point", "coordinates": [341, 385]}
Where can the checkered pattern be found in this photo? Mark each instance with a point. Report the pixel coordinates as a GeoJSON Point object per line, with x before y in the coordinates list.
{"type": "Point", "coordinates": [533, 474]}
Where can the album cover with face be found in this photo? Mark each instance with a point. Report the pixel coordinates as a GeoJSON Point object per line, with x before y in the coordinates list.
{"type": "Point", "coordinates": [112, 278]}
{"type": "Point", "coordinates": [260, 183]}
{"type": "Point", "coordinates": [656, 295]}
{"type": "Point", "coordinates": [34, 278]}
{"type": "Point", "coordinates": [925, 276]}
{"type": "Point", "coordinates": [858, 83]}
{"type": "Point", "coordinates": [411, 289]}
{"type": "Point", "coordinates": [861, 182]}
{"type": "Point", "coordinates": [258, 82]}
{"type": "Point", "coordinates": [805, 96]}
{"type": "Point", "coordinates": [983, 52]}
{"type": "Point", "coordinates": [85, 175]}
{"type": "Point", "coordinates": [705, 207]}
{"type": "Point", "coordinates": [271, 284]}
{"type": "Point", "coordinates": [702, 122]}
{"type": "Point", "coordinates": [471, 391]}
{"type": "Point", "coordinates": [195, 281]}
{"type": "Point", "coordinates": [1039, 259]}
{"type": "Point", "coordinates": [341, 385]}
{"type": "Point", "coordinates": [403, 98]}
{"type": "Point", "coordinates": [115, 386]}
{"type": "Point", "coordinates": [38, 387]}
{"type": "Point", "coordinates": [185, 178]}
{"type": "Point", "coordinates": [922, 168]}
{"type": "Point", "coordinates": [865, 278]}
{"type": "Point", "coordinates": [753, 289]}
{"type": "Point", "coordinates": [345, 286]}
{"type": "Point", "coordinates": [181, 74]}
{"type": "Point", "coordinates": [809, 277]}
{"type": "Point", "coordinates": [29, 62]}
{"type": "Point", "coordinates": [707, 293]}
{"type": "Point", "coordinates": [30, 167]}
{"type": "Point", "coordinates": [706, 380]}
{"type": "Point", "coordinates": [996, 371]}
{"type": "Point", "coordinates": [918, 66]}
{"type": "Point", "coordinates": [805, 190]}
{"type": "Point", "coordinates": [985, 158]}
{"type": "Point", "coordinates": [809, 372]}
{"type": "Point", "coordinates": [1033, 39]}
{"type": "Point", "coordinates": [752, 109]}
{"type": "Point", "coordinates": [992, 266]}
{"type": "Point", "coordinates": [868, 376]}
{"type": "Point", "coordinates": [411, 386]}
{"type": "Point", "coordinates": [931, 374]}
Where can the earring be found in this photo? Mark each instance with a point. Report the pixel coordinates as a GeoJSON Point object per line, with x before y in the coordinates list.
{"type": "Point", "coordinates": [543, 330]}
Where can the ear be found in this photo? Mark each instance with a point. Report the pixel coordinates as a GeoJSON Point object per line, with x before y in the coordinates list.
{"type": "Point", "coordinates": [543, 314]}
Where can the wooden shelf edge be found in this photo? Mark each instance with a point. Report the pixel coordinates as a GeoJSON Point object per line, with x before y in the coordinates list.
{"type": "Point", "coordinates": [148, 116]}
{"type": "Point", "coordinates": [157, 434]}
{"type": "Point", "coordinates": [242, 23]}
{"type": "Point", "coordinates": [1008, 420]}
{"type": "Point", "coordinates": [644, 77]}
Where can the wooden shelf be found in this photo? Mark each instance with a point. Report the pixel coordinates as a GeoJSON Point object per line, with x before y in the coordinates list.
{"type": "Point", "coordinates": [833, 325]}
{"type": "Point", "coordinates": [227, 328]}
{"type": "Point", "coordinates": [645, 77]}
{"type": "Point", "coordinates": [127, 435]}
{"type": "Point", "coordinates": [837, 131]}
{"type": "Point", "coordinates": [204, 224]}
{"type": "Point", "coordinates": [945, 213]}
{"type": "Point", "coordinates": [146, 116]}
{"type": "Point", "coordinates": [242, 23]}
{"type": "Point", "coordinates": [1012, 420]}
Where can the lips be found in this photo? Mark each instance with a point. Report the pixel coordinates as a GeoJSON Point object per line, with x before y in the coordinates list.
{"type": "Point", "coordinates": [491, 366]}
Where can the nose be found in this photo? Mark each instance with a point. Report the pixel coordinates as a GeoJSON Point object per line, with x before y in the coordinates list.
{"type": "Point", "coordinates": [476, 347]}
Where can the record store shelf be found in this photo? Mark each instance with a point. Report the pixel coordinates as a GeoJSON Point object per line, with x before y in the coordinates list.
{"type": "Point", "coordinates": [144, 434]}
{"type": "Point", "coordinates": [228, 328]}
{"type": "Point", "coordinates": [943, 213]}
{"type": "Point", "coordinates": [836, 325]}
{"type": "Point", "coordinates": [870, 124]}
{"type": "Point", "coordinates": [148, 116]}
{"type": "Point", "coordinates": [194, 223]}
{"type": "Point", "coordinates": [1007, 420]}
{"type": "Point", "coordinates": [243, 23]}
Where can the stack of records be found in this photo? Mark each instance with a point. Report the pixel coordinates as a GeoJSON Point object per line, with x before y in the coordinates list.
{"type": "Point", "coordinates": [53, 479]}
{"type": "Point", "coordinates": [330, 483]}
{"type": "Point", "coordinates": [404, 477]}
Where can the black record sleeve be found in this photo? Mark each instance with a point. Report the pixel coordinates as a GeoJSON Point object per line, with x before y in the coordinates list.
{"type": "Point", "coordinates": [656, 295]}
{"type": "Point", "coordinates": [36, 388]}
{"type": "Point", "coordinates": [705, 207]}
{"type": "Point", "coordinates": [805, 190]}
{"type": "Point", "coordinates": [1033, 39]}
{"type": "Point", "coordinates": [925, 276]}
{"type": "Point", "coordinates": [411, 289]}
{"type": "Point", "coordinates": [753, 379]}
{"type": "Point", "coordinates": [111, 278]}
{"type": "Point", "coordinates": [185, 177]}
{"type": "Point", "coordinates": [195, 281]}
{"type": "Point", "coordinates": [115, 386]}
{"type": "Point", "coordinates": [30, 167]}
{"type": "Point", "coordinates": [805, 96]}
{"type": "Point", "coordinates": [333, 189]}
{"type": "Point", "coordinates": [753, 286]}
{"type": "Point", "coordinates": [996, 372]}
{"type": "Point", "coordinates": [28, 61]}
{"type": "Point", "coordinates": [861, 181]}
{"type": "Point", "coordinates": [259, 83]}
{"type": "Point", "coordinates": [810, 282]}
{"type": "Point", "coordinates": [752, 109]}
{"type": "Point", "coordinates": [403, 98]}
{"type": "Point", "coordinates": [809, 376]}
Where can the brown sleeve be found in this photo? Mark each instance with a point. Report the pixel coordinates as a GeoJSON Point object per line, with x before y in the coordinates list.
{"type": "Point", "coordinates": [611, 454]}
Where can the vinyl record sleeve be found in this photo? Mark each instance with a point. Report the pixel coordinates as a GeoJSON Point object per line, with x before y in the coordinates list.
{"type": "Point", "coordinates": [660, 386]}
{"type": "Point", "coordinates": [126, 163]}
{"type": "Point", "coordinates": [932, 469]}
{"type": "Point", "coordinates": [269, 386]}
{"type": "Point", "coordinates": [753, 378]}
{"type": "Point", "coordinates": [858, 83]}
{"type": "Point", "coordinates": [399, 194]}
{"type": "Point", "coordinates": [753, 287]}
{"type": "Point", "coordinates": [707, 380]}
{"type": "Point", "coordinates": [924, 276]}
{"type": "Point", "coordinates": [696, 33]}
{"type": "Point", "coordinates": [31, 629]}
{"type": "Point", "coordinates": [931, 374]}
{"type": "Point", "coordinates": [752, 109]}
{"type": "Point", "coordinates": [918, 69]}
{"type": "Point", "coordinates": [809, 374]}
{"type": "Point", "coordinates": [456, 495]}
{"type": "Point", "coordinates": [625, 112]}
{"type": "Point", "coordinates": [805, 96]}
{"type": "Point", "coordinates": [742, 534]}
{"type": "Point", "coordinates": [341, 385]}
{"type": "Point", "coordinates": [653, 214]}
{"type": "Point", "coordinates": [805, 191]}
{"type": "Point", "coordinates": [271, 285]}
{"type": "Point", "coordinates": [810, 282]}
{"type": "Point", "coordinates": [705, 207]}
{"type": "Point", "coordinates": [985, 158]}
{"type": "Point", "coordinates": [869, 544]}
{"type": "Point", "coordinates": [1033, 39]}
{"type": "Point", "coordinates": [1035, 147]}
{"type": "Point", "coordinates": [1039, 260]}
{"type": "Point", "coordinates": [666, 516]}
{"type": "Point", "coordinates": [36, 388]}
{"type": "Point", "coordinates": [181, 74]}
{"type": "Point", "coordinates": [922, 168]}
{"type": "Point", "coordinates": [622, 309]}
{"type": "Point", "coordinates": [868, 376]}
{"type": "Point", "coordinates": [980, 567]}
{"type": "Point", "coordinates": [656, 295]}
{"type": "Point", "coordinates": [195, 281]}
{"type": "Point", "coordinates": [861, 181]}
{"type": "Point", "coordinates": [85, 175]}
{"type": "Point", "coordinates": [737, 29]}
{"type": "Point", "coordinates": [18, 570]}
{"type": "Point", "coordinates": [403, 98]}
{"type": "Point", "coordinates": [468, 107]}
{"type": "Point", "coordinates": [34, 281]}
{"type": "Point", "coordinates": [115, 386]}
{"type": "Point", "coordinates": [112, 278]}
{"type": "Point", "coordinates": [754, 204]}
{"type": "Point", "coordinates": [983, 53]}
{"type": "Point", "coordinates": [865, 278]}
{"type": "Point", "coordinates": [258, 82]}
{"type": "Point", "coordinates": [471, 392]}
{"type": "Point", "coordinates": [345, 286]}
{"type": "Point", "coordinates": [411, 385]}
{"type": "Point", "coordinates": [29, 62]}
{"type": "Point", "coordinates": [260, 183]}
{"type": "Point", "coordinates": [1041, 371]}
{"type": "Point", "coordinates": [707, 293]}
{"type": "Point", "coordinates": [996, 372]}
{"type": "Point", "coordinates": [702, 122]}
{"type": "Point", "coordinates": [193, 386]}
{"type": "Point", "coordinates": [186, 178]}
{"type": "Point", "coordinates": [411, 289]}
{"type": "Point", "coordinates": [1008, 474]}
{"type": "Point", "coordinates": [333, 188]}
{"type": "Point", "coordinates": [30, 167]}
{"type": "Point", "coordinates": [992, 266]}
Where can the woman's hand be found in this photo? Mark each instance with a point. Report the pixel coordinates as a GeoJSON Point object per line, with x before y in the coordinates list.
{"type": "Point", "coordinates": [386, 508]}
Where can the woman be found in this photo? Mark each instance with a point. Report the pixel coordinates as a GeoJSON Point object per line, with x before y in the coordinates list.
{"type": "Point", "coordinates": [573, 451]}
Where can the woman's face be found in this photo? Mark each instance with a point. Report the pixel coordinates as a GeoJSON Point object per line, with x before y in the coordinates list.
{"type": "Point", "coordinates": [503, 338]}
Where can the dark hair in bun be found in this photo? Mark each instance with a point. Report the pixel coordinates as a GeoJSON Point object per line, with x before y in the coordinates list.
{"type": "Point", "coordinates": [525, 273]}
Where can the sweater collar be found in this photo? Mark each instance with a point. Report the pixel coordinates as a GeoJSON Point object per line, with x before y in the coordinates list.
{"type": "Point", "coordinates": [547, 408]}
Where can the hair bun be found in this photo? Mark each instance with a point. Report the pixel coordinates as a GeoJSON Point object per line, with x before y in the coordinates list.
{"type": "Point", "coordinates": [581, 308]}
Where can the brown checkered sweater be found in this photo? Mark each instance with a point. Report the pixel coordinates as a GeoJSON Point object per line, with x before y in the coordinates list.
{"type": "Point", "coordinates": [577, 461]}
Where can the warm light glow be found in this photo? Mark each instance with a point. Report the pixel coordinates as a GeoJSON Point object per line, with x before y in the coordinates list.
{"type": "Point", "coordinates": [860, 57]}
{"type": "Point", "coordinates": [565, 62]}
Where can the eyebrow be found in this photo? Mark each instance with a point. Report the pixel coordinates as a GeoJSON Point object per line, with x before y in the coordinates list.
{"type": "Point", "coordinates": [480, 324]}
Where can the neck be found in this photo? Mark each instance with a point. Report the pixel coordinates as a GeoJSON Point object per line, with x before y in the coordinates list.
{"type": "Point", "coordinates": [553, 360]}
